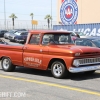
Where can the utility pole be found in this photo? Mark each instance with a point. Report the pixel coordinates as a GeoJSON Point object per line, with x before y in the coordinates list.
{"type": "Point", "coordinates": [4, 15]}
{"type": "Point", "coordinates": [51, 14]}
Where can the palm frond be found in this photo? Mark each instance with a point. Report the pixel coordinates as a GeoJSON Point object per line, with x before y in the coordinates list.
{"type": "Point", "coordinates": [12, 16]}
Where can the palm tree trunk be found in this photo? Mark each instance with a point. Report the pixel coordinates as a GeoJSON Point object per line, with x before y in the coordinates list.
{"type": "Point", "coordinates": [13, 22]}
{"type": "Point", "coordinates": [32, 23]}
{"type": "Point", "coordinates": [48, 23]}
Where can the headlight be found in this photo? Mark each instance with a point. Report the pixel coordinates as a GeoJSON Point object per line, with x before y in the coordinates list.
{"type": "Point", "coordinates": [76, 63]}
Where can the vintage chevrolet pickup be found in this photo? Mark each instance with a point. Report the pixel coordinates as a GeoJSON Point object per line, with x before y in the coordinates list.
{"type": "Point", "coordinates": [52, 50]}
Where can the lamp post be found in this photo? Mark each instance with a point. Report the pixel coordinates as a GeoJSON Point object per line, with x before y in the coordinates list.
{"type": "Point", "coordinates": [51, 14]}
{"type": "Point", "coordinates": [4, 15]}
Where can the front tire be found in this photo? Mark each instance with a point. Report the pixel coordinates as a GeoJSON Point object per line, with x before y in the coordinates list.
{"type": "Point", "coordinates": [7, 65]}
{"type": "Point", "coordinates": [58, 69]}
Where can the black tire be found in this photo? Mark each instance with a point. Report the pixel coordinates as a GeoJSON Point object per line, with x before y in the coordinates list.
{"type": "Point", "coordinates": [7, 65]}
{"type": "Point", "coordinates": [58, 69]}
{"type": "Point", "coordinates": [90, 72]}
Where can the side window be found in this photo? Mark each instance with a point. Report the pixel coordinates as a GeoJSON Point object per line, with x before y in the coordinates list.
{"type": "Point", "coordinates": [26, 33]}
{"type": "Point", "coordinates": [46, 39]}
{"type": "Point", "coordinates": [35, 39]}
{"type": "Point", "coordinates": [23, 33]}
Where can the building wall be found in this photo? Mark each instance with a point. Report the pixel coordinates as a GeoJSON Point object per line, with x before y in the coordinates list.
{"type": "Point", "coordinates": [88, 11]}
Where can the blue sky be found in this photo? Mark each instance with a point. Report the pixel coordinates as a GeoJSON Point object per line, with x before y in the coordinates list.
{"type": "Point", "coordinates": [23, 8]}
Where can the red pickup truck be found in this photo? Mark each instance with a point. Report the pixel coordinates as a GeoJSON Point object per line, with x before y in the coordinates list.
{"type": "Point", "coordinates": [52, 50]}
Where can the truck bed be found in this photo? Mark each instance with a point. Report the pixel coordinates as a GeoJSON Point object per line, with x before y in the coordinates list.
{"type": "Point", "coordinates": [14, 52]}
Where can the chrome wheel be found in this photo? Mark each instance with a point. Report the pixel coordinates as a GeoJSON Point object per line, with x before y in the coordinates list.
{"type": "Point", "coordinates": [5, 64]}
{"type": "Point", "coordinates": [57, 69]}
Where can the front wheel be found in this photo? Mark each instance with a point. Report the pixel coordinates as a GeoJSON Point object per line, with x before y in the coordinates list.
{"type": "Point", "coordinates": [58, 69]}
{"type": "Point", "coordinates": [7, 65]}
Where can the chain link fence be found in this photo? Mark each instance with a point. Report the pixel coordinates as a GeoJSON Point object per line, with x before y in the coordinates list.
{"type": "Point", "coordinates": [24, 24]}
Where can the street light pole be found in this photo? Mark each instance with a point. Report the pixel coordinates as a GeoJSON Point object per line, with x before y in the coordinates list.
{"type": "Point", "coordinates": [51, 14]}
{"type": "Point", "coordinates": [4, 15]}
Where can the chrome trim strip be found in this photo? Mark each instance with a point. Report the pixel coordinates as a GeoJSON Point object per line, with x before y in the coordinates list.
{"type": "Point", "coordinates": [84, 69]}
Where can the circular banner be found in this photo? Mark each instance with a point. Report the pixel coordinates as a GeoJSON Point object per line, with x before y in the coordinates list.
{"type": "Point", "coordinates": [69, 12]}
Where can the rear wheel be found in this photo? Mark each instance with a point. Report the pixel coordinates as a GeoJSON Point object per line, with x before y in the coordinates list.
{"type": "Point", "coordinates": [7, 64]}
{"type": "Point", "coordinates": [58, 69]}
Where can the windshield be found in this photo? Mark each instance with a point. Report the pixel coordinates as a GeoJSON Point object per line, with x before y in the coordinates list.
{"type": "Point", "coordinates": [57, 39]}
{"type": "Point", "coordinates": [17, 33]}
{"type": "Point", "coordinates": [96, 42]}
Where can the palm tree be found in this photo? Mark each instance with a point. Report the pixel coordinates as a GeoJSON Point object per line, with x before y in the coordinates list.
{"type": "Point", "coordinates": [13, 17]}
{"type": "Point", "coordinates": [48, 17]}
{"type": "Point", "coordinates": [31, 14]}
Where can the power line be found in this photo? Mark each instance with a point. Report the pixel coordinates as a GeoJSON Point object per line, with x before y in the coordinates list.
{"type": "Point", "coordinates": [25, 14]}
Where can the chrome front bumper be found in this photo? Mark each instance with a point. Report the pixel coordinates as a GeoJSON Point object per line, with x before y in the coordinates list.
{"type": "Point", "coordinates": [84, 69]}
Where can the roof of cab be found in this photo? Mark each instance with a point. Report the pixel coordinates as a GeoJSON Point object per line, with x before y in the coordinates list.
{"type": "Point", "coordinates": [46, 31]}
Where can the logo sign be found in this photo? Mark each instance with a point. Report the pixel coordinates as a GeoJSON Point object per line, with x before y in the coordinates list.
{"type": "Point", "coordinates": [86, 31]}
{"type": "Point", "coordinates": [69, 12]}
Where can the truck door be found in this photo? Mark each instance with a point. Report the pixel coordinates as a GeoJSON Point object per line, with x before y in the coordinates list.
{"type": "Point", "coordinates": [33, 56]}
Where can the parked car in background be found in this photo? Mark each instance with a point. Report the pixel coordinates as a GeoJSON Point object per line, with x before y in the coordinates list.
{"type": "Point", "coordinates": [92, 42]}
{"type": "Point", "coordinates": [21, 29]}
{"type": "Point", "coordinates": [78, 34]}
{"type": "Point", "coordinates": [11, 32]}
{"type": "Point", "coordinates": [2, 32]}
{"type": "Point", "coordinates": [18, 33]}
{"type": "Point", "coordinates": [21, 38]}
{"type": "Point", "coordinates": [75, 34]}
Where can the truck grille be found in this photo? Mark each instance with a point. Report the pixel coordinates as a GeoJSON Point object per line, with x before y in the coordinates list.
{"type": "Point", "coordinates": [89, 61]}
{"type": "Point", "coordinates": [90, 54]}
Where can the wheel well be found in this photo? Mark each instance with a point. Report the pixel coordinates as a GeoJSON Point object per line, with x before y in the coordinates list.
{"type": "Point", "coordinates": [4, 57]}
{"type": "Point", "coordinates": [53, 60]}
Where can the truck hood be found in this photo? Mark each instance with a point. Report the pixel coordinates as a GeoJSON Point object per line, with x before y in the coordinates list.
{"type": "Point", "coordinates": [74, 49]}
